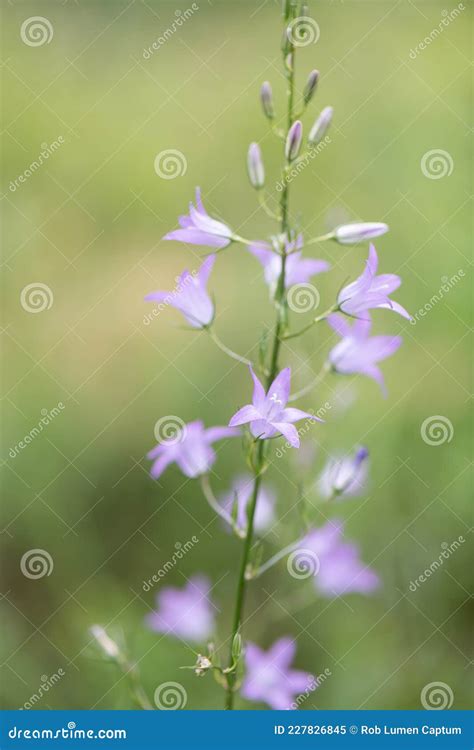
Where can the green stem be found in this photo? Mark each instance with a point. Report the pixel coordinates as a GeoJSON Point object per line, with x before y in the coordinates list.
{"type": "Point", "coordinates": [260, 457]}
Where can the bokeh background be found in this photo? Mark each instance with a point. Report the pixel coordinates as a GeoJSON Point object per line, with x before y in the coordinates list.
{"type": "Point", "coordinates": [88, 224]}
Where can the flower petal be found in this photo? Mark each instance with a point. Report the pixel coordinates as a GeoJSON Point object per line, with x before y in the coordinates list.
{"type": "Point", "coordinates": [258, 397]}
{"type": "Point", "coordinates": [246, 414]}
{"type": "Point", "coordinates": [294, 415]}
{"type": "Point", "coordinates": [279, 390]}
{"type": "Point", "coordinates": [219, 433]}
{"type": "Point", "coordinates": [288, 431]}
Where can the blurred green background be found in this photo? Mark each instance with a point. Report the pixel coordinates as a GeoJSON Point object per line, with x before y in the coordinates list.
{"type": "Point", "coordinates": [88, 224]}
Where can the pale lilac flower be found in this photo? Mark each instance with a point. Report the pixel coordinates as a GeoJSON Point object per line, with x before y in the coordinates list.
{"type": "Point", "coordinates": [350, 234]}
{"type": "Point", "coordinates": [255, 168]}
{"type": "Point", "coordinates": [269, 677]}
{"type": "Point", "coordinates": [344, 476]}
{"type": "Point", "coordinates": [371, 291]}
{"type": "Point", "coordinates": [310, 86]}
{"type": "Point", "coordinates": [340, 570]}
{"type": "Point", "coordinates": [293, 141]}
{"type": "Point", "coordinates": [358, 352]}
{"type": "Point", "coordinates": [198, 228]}
{"type": "Point", "coordinates": [298, 270]}
{"type": "Point", "coordinates": [184, 613]}
{"type": "Point", "coordinates": [190, 296]}
{"type": "Point", "coordinates": [266, 97]}
{"type": "Point", "coordinates": [191, 449]}
{"type": "Point", "coordinates": [267, 414]}
{"type": "Point", "coordinates": [241, 493]}
{"type": "Point", "coordinates": [321, 126]}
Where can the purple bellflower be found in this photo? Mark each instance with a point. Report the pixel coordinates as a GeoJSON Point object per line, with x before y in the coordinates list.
{"type": "Point", "coordinates": [241, 492]}
{"type": "Point", "coordinates": [269, 677]}
{"type": "Point", "coordinates": [191, 449]}
{"type": "Point", "coordinates": [358, 352]}
{"type": "Point", "coordinates": [344, 476]}
{"type": "Point", "coordinates": [184, 613]}
{"type": "Point", "coordinates": [351, 234]}
{"type": "Point", "coordinates": [267, 414]}
{"type": "Point", "coordinates": [340, 569]}
{"type": "Point", "coordinates": [370, 291]}
{"type": "Point", "coordinates": [190, 296]}
{"type": "Point", "coordinates": [198, 228]}
{"type": "Point", "coordinates": [298, 270]}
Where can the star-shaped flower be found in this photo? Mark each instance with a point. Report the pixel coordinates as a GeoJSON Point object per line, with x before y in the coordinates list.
{"type": "Point", "coordinates": [190, 448]}
{"type": "Point", "coordinates": [371, 291]}
{"type": "Point", "coordinates": [190, 295]}
{"type": "Point", "coordinates": [269, 677]}
{"type": "Point", "coordinates": [298, 270]}
{"type": "Point", "coordinates": [198, 228]}
{"type": "Point", "coordinates": [267, 414]}
{"type": "Point", "coordinates": [358, 352]}
{"type": "Point", "coordinates": [184, 613]}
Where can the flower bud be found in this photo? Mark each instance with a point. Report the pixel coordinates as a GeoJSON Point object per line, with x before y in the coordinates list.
{"type": "Point", "coordinates": [321, 125]}
{"type": "Point", "coordinates": [310, 87]}
{"type": "Point", "coordinates": [349, 234]}
{"type": "Point", "coordinates": [293, 141]}
{"type": "Point", "coordinates": [255, 166]}
{"type": "Point", "coordinates": [108, 646]}
{"type": "Point", "coordinates": [266, 98]}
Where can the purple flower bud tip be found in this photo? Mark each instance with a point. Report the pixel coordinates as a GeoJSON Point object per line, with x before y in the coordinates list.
{"type": "Point", "coordinates": [266, 97]}
{"type": "Point", "coordinates": [350, 234]}
{"type": "Point", "coordinates": [255, 166]}
{"type": "Point", "coordinates": [321, 125]}
{"type": "Point", "coordinates": [293, 140]}
{"type": "Point", "coordinates": [310, 87]}
{"type": "Point", "coordinates": [361, 455]}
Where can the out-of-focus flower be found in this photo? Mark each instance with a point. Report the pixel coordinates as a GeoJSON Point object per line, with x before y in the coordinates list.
{"type": "Point", "coordinates": [269, 677]}
{"type": "Point", "coordinates": [267, 414]}
{"type": "Point", "coordinates": [190, 296]}
{"type": "Point", "coordinates": [370, 291]}
{"type": "Point", "coordinates": [321, 126]}
{"type": "Point", "coordinates": [255, 166]}
{"type": "Point", "coordinates": [293, 141]}
{"type": "Point", "coordinates": [198, 228]}
{"type": "Point", "coordinates": [350, 234]}
{"type": "Point", "coordinates": [298, 270]}
{"type": "Point", "coordinates": [358, 352]}
{"type": "Point", "coordinates": [340, 570]}
{"type": "Point", "coordinates": [184, 613]}
{"type": "Point", "coordinates": [345, 476]}
{"type": "Point", "coordinates": [266, 97]}
{"type": "Point", "coordinates": [241, 493]}
{"type": "Point", "coordinates": [191, 449]}
{"type": "Point", "coordinates": [108, 646]}
{"type": "Point", "coordinates": [310, 86]}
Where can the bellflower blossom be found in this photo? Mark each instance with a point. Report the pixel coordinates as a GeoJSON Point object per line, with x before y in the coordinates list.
{"type": "Point", "coordinates": [267, 414]}
{"type": "Point", "coordinates": [191, 449]}
{"type": "Point", "coordinates": [190, 296]}
{"type": "Point", "coordinates": [298, 270]}
{"type": "Point", "coordinates": [340, 569]}
{"type": "Point", "coordinates": [370, 291]}
{"type": "Point", "coordinates": [198, 228]}
{"type": "Point", "coordinates": [358, 352]}
{"type": "Point", "coordinates": [241, 493]}
{"type": "Point", "coordinates": [344, 476]}
{"type": "Point", "coordinates": [184, 613]}
{"type": "Point", "coordinates": [269, 677]}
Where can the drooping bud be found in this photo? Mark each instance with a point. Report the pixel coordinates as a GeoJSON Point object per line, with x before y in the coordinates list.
{"type": "Point", "coordinates": [266, 98]}
{"type": "Point", "coordinates": [310, 87]}
{"type": "Point", "coordinates": [349, 234]}
{"type": "Point", "coordinates": [255, 166]}
{"type": "Point", "coordinates": [293, 141]}
{"type": "Point", "coordinates": [321, 125]}
{"type": "Point", "coordinates": [108, 646]}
